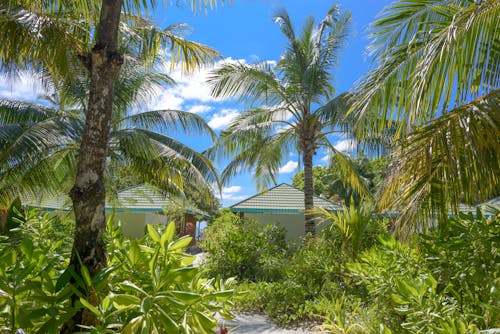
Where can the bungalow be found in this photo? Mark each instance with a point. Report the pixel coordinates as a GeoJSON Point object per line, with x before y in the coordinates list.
{"type": "Point", "coordinates": [134, 208]}
{"type": "Point", "coordinates": [282, 204]}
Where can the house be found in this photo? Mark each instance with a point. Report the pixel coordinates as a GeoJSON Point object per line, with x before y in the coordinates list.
{"type": "Point", "coordinates": [282, 204]}
{"type": "Point", "coordinates": [134, 208]}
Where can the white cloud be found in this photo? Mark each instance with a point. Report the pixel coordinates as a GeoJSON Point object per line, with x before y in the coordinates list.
{"type": "Point", "coordinates": [231, 190]}
{"type": "Point", "coordinates": [199, 109]}
{"type": "Point", "coordinates": [289, 167]}
{"type": "Point", "coordinates": [25, 87]}
{"type": "Point", "coordinates": [166, 100]}
{"type": "Point", "coordinates": [222, 119]}
{"type": "Point", "coordinates": [193, 86]}
{"type": "Point", "coordinates": [346, 145]}
{"type": "Point", "coordinates": [231, 194]}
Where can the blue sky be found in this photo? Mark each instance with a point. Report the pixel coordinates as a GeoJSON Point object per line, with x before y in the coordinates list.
{"type": "Point", "coordinates": [243, 31]}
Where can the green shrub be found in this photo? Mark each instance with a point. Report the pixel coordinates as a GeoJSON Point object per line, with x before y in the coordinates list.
{"type": "Point", "coordinates": [447, 282]}
{"type": "Point", "coordinates": [240, 247]}
{"type": "Point", "coordinates": [149, 286]}
{"type": "Point", "coordinates": [465, 258]}
{"type": "Point", "coordinates": [153, 288]}
{"type": "Point", "coordinates": [34, 251]}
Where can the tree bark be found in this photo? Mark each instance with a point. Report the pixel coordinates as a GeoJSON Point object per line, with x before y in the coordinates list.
{"type": "Point", "coordinates": [89, 193]}
{"type": "Point", "coordinates": [307, 160]}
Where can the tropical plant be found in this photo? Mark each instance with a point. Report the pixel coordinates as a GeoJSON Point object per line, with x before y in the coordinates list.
{"type": "Point", "coordinates": [242, 248]}
{"type": "Point", "coordinates": [437, 77]}
{"type": "Point", "coordinates": [41, 25]}
{"type": "Point", "coordinates": [464, 257]}
{"type": "Point", "coordinates": [288, 106]}
{"type": "Point", "coordinates": [154, 289]}
{"type": "Point", "coordinates": [353, 227]}
{"type": "Point", "coordinates": [34, 250]}
{"type": "Point", "coordinates": [328, 182]}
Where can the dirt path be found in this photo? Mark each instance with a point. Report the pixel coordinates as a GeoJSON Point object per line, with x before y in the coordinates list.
{"type": "Point", "coordinates": [258, 324]}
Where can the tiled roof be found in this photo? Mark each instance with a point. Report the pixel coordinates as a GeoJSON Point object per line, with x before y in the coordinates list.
{"type": "Point", "coordinates": [142, 198]}
{"type": "Point", "coordinates": [281, 199]}
{"type": "Point", "coordinates": [486, 208]}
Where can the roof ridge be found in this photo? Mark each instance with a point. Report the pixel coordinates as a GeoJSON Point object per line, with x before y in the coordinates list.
{"type": "Point", "coordinates": [320, 201]}
{"type": "Point", "coordinates": [258, 194]}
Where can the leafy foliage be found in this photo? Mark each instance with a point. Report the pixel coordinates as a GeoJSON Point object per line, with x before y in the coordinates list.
{"type": "Point", "coordinates": [154, 290]}
{"type": "Point", "coordinates": [437, 79]}
{"type": "Point", "coordinates": [149, 286]}
{"type": "Point", "coordinates": [329, 183]}
{"type": "Point", "coordinates": [464, 257]}
{"type": "Point", "coordinates": [243, 248]}
{"type": "Point", "coordinates": [33, 255]}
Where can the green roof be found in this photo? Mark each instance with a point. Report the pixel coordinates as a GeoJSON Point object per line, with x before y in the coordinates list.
{"type": "Point", "coordinates": [487, 208]}
{"type": "Point", "coordinates": [281, 199]}
{"type": "Point", "coordinates": [142, 198]}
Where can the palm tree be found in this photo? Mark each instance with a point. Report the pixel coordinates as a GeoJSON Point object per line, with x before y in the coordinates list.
{"type": "Point", "coordinates": [438, 76]}
{"type": "Point", "coordinates": [289, 109]}
{"type": "Point", "coordinates": [40, 143]}
{"type": "Point", "coordinates": [51, 35]}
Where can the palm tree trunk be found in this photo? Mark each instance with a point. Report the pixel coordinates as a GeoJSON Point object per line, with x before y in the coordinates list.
{"type": "Point", "coordinates": [88, 194]}
{"type": "Point", "coordinates": [307, 160]}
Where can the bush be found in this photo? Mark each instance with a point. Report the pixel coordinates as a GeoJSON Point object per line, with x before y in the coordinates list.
{"type": "Point", "coordinates": [148, 287]}
{"type": "Point", "coordinates": [34, 251]}
{"type": "Point", "coordinates": [153, 286]}
{"type": "Point", "coordinates": [447, 283]}
{"type": "Point", "coordinates": [464, 257]}
{"type": "Point", "coordinates": [242, 248]}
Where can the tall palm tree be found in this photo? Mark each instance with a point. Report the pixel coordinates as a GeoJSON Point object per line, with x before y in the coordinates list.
{"type": "Point", "coordinates": [438, 76]}
{"type": "Point", "coordinates": [288, 105]}
{"type": "Point", "coordinates": [53, 34]}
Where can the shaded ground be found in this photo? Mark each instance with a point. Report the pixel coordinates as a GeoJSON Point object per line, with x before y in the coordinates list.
{"type": "Point", "coordinates": [246, 324]}
{"type": "Point", "coordinates": [250, 323]}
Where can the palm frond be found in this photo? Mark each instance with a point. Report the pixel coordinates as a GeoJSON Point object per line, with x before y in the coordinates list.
{"type": "Point", "coordinates": [455, 159]}
{"type": "Point", "coordinates": [168, 120]}
{"type": "Point", "coordinates": [254, 83]}
{"type": "Point", "coordinates": [349, 175]}
{"type": "Point", "coordinates": [163, 158]}
{"type": "Point", "coordinates": [432, 56]}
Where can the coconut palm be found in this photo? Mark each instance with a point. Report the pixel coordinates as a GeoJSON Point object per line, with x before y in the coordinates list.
{"type": "Point", "coordinates": [52, 34]}
{"type": "Point", "coordinates": [40, 143]}
{"type": "Point", "coordinates": [438, 76]}
{"type": "Point", "coordinates": [288, 105]}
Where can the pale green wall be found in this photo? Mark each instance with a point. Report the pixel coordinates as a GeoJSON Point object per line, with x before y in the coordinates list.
{"type": "Point", "coordinates": [134, 223]}
{"type": "Point", "coordinates": [293, 223]}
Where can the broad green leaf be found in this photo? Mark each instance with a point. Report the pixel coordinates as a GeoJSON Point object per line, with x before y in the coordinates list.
{"type": "Point", "coordinates": [134, 252]}
{"type": "Point", "coordinates": [182, 275]}
{"type": "Point", "coordinates": [168, 235]}
{"type": "Point", "coordinates": [89, 306]}
{"type": "Point", "coordinates": [170, 325]}
{"type": "Point", "coordinates": [153, 233]}
{"type": "Point", "coordinates": [206, 322]}
{"type": "Point", "coordinates": [27, 247]}
{"type": "Point", "coordinates": [86, 275]}
{"type": "Point", "coordinates": [146, 304]}
{"type": "Point", "coordinates": [222, 295]}
{"type": "Point", "coordinates": [133, 325]}
{"type": "Point", "coordinates": [124, 301]}
{"type": "Point", "coordinates": [186, 296]}
{"type": "Point", "coordinates": [181, 243]}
